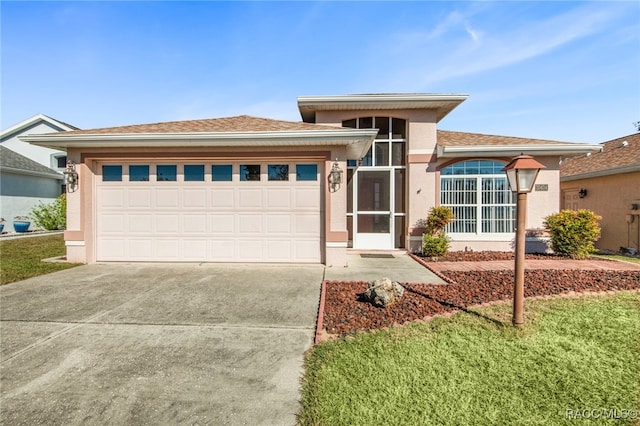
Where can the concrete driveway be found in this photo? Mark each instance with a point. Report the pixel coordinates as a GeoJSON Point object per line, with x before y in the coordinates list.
{"type": "Point", "coordinates": [157, 344]}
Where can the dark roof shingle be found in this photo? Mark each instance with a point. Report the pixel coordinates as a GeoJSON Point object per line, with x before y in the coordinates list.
{"type": "Point", "coordinates": [240, 124]}
{"type": "Point", "coordinates": [13, 160]}
{"type": "Point", "coordinates": [613, 156]}
{"type": "Point", "coordinates": [451, 138]}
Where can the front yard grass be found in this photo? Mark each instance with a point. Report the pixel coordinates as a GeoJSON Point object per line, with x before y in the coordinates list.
{"type": "Point", "coordinates": [21, 258]}
{"type": "Point", "coordinates": [475, 369]}
{"type": "Point", "coordinates": [619, 257]}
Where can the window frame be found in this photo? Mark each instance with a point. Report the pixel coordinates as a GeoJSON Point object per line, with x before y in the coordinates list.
{"type": "Point", "coordinates": [487, 211]}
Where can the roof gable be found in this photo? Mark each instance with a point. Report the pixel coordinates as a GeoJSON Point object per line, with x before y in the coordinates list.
{"type": "Point", "coordinates": [620, 155]}
{"type": "Point", "coordinates": [31, 122]}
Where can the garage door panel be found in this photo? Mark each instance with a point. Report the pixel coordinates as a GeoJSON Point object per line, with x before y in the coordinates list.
{"type": "Point", "coordinates": [194, 223]}
{"type": "Point", "coordinates": [112, 249]}
{"type": "Point", "coordinates": [195, 249]}
{"type": "Point", "coordinates": [250, 198]}
{"type": "Point", "coordinates": [140, 223]}
{"type": "Point", "coordinates": [307, 199]}
{"type": "Point", "coordinates": [223, 198]}
{"type": "Point", "coordinates": [167, 223]}
{"type": "Point", "coordinates": [279, 198]}
{"type": "Point", "coordinates": [140, 249]}
{"type": "Point", "coordinates": [306, 224]}
{"type": "Point", "coordinates": [224, 221]}
{"type": "Point", "coordinates": [167, 198]}
{"type": "Point", "coordinates": [111, 223]}
{"type": "Point", "coordinates": [111, 197]}
{"type": "Point", "coordinates": [194, 198]}
{"type": "Point", "coordinates": [167, 249]}
{"type": "Point", "coordinates": [306, 250]}
{"type": "Point", "coordinates": [251, 249]}
{"type": "Point", "coordinates": [139, 197]}
{"type": "Point", "coordinates": [224, 249]}
{"type": "Point", "coordinates": [278, 224]}
{"type": "Point", "coordinates": [222, 224]}
{"type": "Point", "coordinates": [278, 250]}
{"type": "Point", "coordinates": [250, 223]}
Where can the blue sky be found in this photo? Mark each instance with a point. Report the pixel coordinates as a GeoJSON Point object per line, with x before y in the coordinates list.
{"type": "Point", "coordinates": [554, 70]}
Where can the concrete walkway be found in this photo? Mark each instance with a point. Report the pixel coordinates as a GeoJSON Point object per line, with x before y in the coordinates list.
{"type": "Point", "coordinates": [369, 266]}
{"type": "Point", "coordinates": [157, 344]}
{"type": "Point", "coordinates": [501, 265]}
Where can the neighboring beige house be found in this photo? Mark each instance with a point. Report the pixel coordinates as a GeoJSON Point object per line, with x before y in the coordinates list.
{"type": "Point", "coordinates": [248, 189]}
{"type": "Point", "coordinates": [607, 183]}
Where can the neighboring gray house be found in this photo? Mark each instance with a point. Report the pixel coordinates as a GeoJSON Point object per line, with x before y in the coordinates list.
{"type": "Point", "coordinates": [29, 174]}
{"type": "Point", "coordinates": [25, 183]}
{"type": "Point", "coordinates": [37, 124]}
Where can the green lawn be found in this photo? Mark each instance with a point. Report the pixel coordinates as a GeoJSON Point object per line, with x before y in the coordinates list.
{"type": "Point", "coordinates": [619, 257]}
{"type": "Point", "coordinates": [475, 369]}
{"type": "Point", "coordinates": [21, 258]}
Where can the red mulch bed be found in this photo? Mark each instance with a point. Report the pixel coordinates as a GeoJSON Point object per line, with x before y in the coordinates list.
{"type": "Point", "coordinates": [485, 256]}
{"type": "Point", "coordinates": [345, 312]}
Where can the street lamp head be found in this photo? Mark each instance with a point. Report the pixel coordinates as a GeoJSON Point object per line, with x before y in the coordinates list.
{"type": "Point", "coordinates": [522, 172]}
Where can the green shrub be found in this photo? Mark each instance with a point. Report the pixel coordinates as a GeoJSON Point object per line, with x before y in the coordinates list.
{"type": "Point", "coordinates": [435, 245]}
{"type": "Point", "coordinates": [435, 242]}
{"type": "Point", "coordinates": [438, 218]}
{"type": "Point", "coordinates": [51, 216]}
{"type": "Point", "coordinates": [573, 232]}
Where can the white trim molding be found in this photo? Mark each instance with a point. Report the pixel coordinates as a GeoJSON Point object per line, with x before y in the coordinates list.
{"type": "Point", "coordinates": [357, 141]}
{"type": "Point", "coordinates": [442, 104]}
{"type": "Point", "coordinates": [514, 150]}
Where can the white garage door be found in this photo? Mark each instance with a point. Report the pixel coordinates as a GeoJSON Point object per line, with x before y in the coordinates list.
{"type": "Point", "coordinates": [211, 212]}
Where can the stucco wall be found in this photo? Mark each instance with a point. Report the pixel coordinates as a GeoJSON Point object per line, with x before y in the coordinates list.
{"type": "Point", "coordinates": [423, 181]}
{"type": "Point", "coordinates": [80, 238]}
{"type": "Point", "coordinates": [541, 203]}
{"type": "Point", "coordinates": [21, 193]}
{"type": "Point", "coordinates": [611, 197]}
{"type": "Point", "coordinates": [420, 152]}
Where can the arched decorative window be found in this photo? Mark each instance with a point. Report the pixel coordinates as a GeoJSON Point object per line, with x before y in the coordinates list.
{"type": "Point", "coordinates": [478, 193]}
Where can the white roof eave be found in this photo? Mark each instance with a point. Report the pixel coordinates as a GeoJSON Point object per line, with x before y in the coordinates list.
{"type": "Point", "coordinates": [14, 170]}
{"type": "Point", "coordinates": [357, 141]}
{"type": "Point", "coordinates": [443, 103]}
{"type": "Point", "coordinates": [514, 150]}
{"type": "Point", "coordinates": [605, 172]}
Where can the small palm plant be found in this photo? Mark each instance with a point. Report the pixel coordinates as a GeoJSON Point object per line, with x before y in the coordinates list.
{"type": "Point", "coordinates": [435, 241]}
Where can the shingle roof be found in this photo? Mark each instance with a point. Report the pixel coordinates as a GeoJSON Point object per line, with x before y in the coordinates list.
{"type": "Point", "coordinates": [12, 160]}
{"type": "Point", "coordinates": [613, 156]}
{"type": "Point", "coordinates": [451, 138]}
{"type": "Point", "coordinates": [241, 124]}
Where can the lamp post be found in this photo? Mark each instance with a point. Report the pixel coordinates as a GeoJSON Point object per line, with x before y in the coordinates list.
{"type": "Point", "coordinates": [522, 172]}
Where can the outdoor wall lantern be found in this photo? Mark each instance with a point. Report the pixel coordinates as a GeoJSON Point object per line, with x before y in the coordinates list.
{"type": "Point", "coordinates": [335, 177]}
{"type": "Point", "coordinates": [582, 193]}
{"type": "Point", "coordinates": [522, 172]}
{"type": "Point", "coordinates": [71, 176]}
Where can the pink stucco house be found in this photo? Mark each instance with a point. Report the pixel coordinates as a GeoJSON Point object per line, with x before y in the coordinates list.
{"type": "Point", "coordinates": [248, 189]}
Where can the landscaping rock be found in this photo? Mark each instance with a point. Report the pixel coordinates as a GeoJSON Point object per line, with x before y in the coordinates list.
{"type": "Point", "coordinates": [383, 292]}
{"type": "Point", "coordinates": [346, 312]}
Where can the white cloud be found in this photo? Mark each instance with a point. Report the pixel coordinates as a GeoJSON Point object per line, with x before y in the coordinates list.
{"type": "Point", "coordinates": [441, 54]}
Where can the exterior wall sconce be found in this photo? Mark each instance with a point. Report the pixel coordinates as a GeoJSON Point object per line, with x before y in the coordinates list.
{"type": "Point", "coordinates": [582, 193]}
{"type": "Point", "coordinates": [71, 176]}
{"type": "Point", "coordinates": [522, 172]}
{"type": "Point", "coordinates": [335, 177]}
